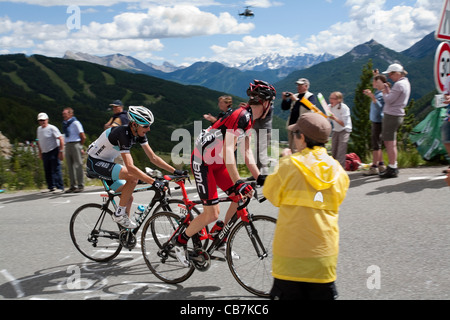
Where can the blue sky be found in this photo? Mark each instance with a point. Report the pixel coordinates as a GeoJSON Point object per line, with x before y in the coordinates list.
{"type": "Point", "coordinates": [183, 32]}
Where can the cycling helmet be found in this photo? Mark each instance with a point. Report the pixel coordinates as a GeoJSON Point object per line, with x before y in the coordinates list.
{"type": "Point", "coordinates": [140, 115]}
{"type": "Point", "coordinates": [262, 90]}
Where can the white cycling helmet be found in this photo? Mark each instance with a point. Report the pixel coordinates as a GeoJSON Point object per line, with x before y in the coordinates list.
{"type": "Point", "coordinates": [140, 115]}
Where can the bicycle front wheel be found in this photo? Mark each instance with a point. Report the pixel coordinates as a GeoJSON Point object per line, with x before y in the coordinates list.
{"type": "Point", "coordinates": [176, 206]}
{"type": "Point", "coordinates": [249, 254]}
{"type": "Point", "coordinates": [158, 251]}
{"type": "Point", "coordinates": [94, 233]}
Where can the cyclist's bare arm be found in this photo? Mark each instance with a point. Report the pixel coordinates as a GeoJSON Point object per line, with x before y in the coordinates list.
{"type": "Point", "coordinates": [132, 170]}
{"type": "Point", "coordinates": [228, 156]}
{"type": "Point", "coordinates": [230, 160]}
{"type": "Point", "coordinates": [156, 160]}
{"type": "Point", "coordinates": [250, 159]}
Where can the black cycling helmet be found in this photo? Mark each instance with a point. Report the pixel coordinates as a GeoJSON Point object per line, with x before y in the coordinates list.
{"type": "Point", "coordinates": [262, 90]}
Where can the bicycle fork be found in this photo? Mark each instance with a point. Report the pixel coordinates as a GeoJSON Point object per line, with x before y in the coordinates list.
{"type": "Point", "coordinates": [256, 240]}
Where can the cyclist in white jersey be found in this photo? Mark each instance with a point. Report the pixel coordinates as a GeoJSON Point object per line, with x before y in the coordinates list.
{"type": "Point", "coordinates": [119, 140]}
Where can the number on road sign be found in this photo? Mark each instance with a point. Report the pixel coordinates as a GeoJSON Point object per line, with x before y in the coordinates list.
{"type": "Point", "coordinates": [442, 66]}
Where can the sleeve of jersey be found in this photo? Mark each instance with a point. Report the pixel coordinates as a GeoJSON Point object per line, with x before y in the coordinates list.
{"type": "Point", "coordinates": [245, 121]}
{"type": "Point", "coordinates": [119, 140]}
{"type": "Point", "coordinates": [143, 140]}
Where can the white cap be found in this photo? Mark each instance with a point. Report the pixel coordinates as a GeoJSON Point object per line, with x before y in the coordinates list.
{"type": "Point", "coordinates": [394, 68]}
{"type": "Point", "coordinates": [302, 81]}
{"type": "Point", "coordinates": [42, 116]}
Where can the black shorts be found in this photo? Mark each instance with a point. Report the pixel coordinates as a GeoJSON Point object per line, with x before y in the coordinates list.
{"type": "Point", "coordinates": [376, 136]}
{"type": "Point", "coordinates": [293, 290]}
{"type": "Point", "coordinates": [105, 170]}
{"type": "Point", "coordinates": [208, 178]}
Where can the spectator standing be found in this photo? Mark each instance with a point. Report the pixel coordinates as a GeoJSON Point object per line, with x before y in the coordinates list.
{"type": "Point", "coordinates": [292, 102]}
{"type": "Point", "coordinates": [376, 118]}
{"type": "Point", "coordinates": [395, 101]}
{"type": "Point", "coordinates": [308, 187]}
{"type": "Point", "coordinates": [342, 126]}
{"type": "Point", "coordinates": [225, 104]}
{"type": "Point", "coordinates": [263, 129]}
{"type": "Point", "coordinates": [119, 117]}
{"type": "Point", "coordinates": [74, 139]}
{"type": "Point", "coordinates": [51, 146]}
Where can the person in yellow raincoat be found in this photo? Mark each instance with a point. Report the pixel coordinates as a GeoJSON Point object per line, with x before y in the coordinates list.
{"type": "Point", "coordinates": [308, 187]}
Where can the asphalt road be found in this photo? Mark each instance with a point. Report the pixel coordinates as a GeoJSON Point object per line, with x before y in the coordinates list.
{"type": "Point", "coordinates": [394, 245]}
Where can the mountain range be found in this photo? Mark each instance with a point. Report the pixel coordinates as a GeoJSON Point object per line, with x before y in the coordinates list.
{"type": "Point", "coordinates": [213, 75]}
{"type": "Point", "coordinates": [327, 73]}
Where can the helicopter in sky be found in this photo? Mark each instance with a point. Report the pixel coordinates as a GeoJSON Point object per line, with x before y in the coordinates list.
{"type": "Point", "coordinates": [248, 13]}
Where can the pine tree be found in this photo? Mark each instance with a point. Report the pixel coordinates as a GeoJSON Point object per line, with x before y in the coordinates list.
{"type": "Point", "coordinates": [408, 125]}
{"type": "Point", "coordinates": [361, 134]}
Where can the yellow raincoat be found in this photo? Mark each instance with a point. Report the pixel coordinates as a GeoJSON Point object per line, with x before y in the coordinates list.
{"type": "Point", "coordinates": [308, 187]}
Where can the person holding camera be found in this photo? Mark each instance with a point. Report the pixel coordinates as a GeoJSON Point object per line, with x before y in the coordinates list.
{"type": "Point", "coordinates": [292, 102]}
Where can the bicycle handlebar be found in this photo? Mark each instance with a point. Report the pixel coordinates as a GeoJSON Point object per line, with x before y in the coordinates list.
{"type": "Point", "coordinates": [156, 174]}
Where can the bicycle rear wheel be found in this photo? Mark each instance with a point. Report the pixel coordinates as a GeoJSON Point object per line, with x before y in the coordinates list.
{"type": "Point", "coordinates": [157, 250]}
{"type": "Point", "coordinates": [249, 254]}
{"type": "Point", "coordinates": [94, 233]}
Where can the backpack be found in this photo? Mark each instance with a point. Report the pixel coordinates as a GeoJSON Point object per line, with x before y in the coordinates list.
{"type": "Point", "coordinates": [352, 162]}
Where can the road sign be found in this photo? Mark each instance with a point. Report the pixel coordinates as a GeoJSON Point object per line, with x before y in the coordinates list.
{"type": "Point", "coordinates": [442, 65]}
{"type": "Point", "coordinates": [443, 30]}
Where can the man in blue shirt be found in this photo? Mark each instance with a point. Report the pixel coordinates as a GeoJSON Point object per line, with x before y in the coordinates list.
{"type": "Point", "coordinates": [74, 140]}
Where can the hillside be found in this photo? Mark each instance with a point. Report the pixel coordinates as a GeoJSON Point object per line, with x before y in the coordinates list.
{"type": "Point", "coordinates": [29, 85]}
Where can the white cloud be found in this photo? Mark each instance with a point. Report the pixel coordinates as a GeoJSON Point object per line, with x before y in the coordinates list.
{"type": "Point", "coordinates": [164, 22]}
{"type": "Point", "coordinates": [137, 33]}
{"type": "Point", "coordinates": [262, 3]}
{"type": "Point", "coordinates": [397, 28]}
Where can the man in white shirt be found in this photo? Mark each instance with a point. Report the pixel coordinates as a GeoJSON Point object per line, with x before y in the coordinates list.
{"type": "Point", "coordinates": [51, 145]}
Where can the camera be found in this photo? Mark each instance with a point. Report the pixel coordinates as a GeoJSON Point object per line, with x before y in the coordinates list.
{"type": "Point", "coordinates": [287, 94]}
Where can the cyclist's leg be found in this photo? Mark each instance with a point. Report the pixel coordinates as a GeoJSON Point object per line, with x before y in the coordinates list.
{"type": "Point", "coordinates": [226, 184]}
{"type": "Point", "coordinates": [126, 198]}
{"type": "Point", "coordinates": [205, 180]}
{"type": "Point", "coordinates": [113, 173]}
{"type": "Point", "coordinates": [207, 190]}
{"type": "Point", "coordinates": [214, 175]}
{"type": "Point", "coordinates": [209, 215]}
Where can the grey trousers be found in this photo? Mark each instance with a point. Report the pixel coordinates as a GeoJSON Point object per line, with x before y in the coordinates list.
{"type": "Point", "coordinates": [339, 143]}
{"type": "Point", "coordinates": [74, 162]}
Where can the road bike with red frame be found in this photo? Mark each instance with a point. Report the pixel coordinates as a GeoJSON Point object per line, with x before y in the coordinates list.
{"type": "Point", "coordinates": [249, 244]}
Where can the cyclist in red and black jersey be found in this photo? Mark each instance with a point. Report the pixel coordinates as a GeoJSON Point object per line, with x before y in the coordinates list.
{"type": "Point", "coordinates": [213, 161]}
